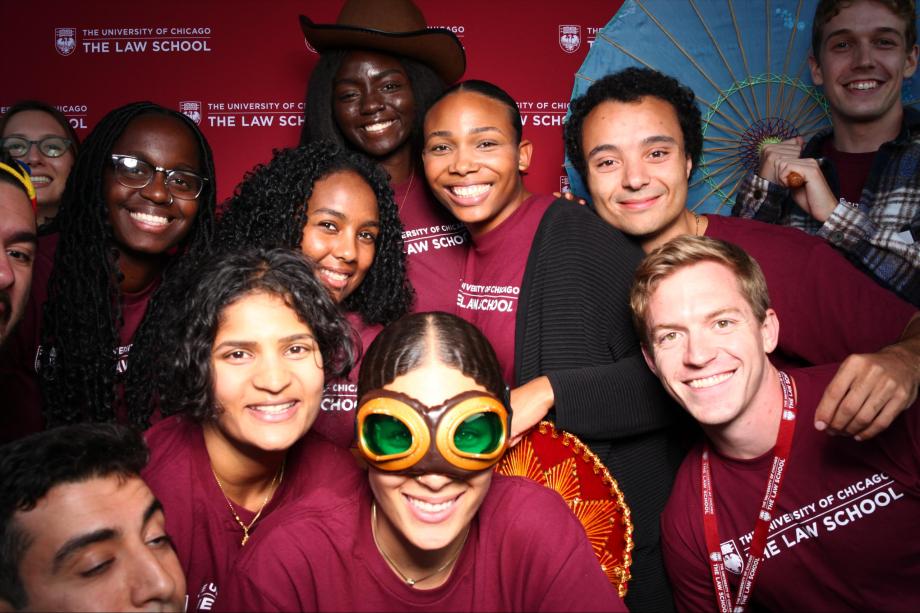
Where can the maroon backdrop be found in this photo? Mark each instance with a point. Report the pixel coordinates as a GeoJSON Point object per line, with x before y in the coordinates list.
{"type": "Point", "coordinates": [241, 67]}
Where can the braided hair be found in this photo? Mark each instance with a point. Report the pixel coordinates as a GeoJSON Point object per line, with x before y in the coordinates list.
{"type": "Point", "coordinates": [269, 209]}
{"type": "Point", "coordinates": [82, 317]}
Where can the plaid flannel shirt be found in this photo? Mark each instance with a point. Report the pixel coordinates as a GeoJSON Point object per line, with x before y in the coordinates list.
{"type": "Point", "coordinates": [881, 232]}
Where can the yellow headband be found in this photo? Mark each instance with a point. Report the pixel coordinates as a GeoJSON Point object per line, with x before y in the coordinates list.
{"type": "Point", "coordinates": [23, 177]}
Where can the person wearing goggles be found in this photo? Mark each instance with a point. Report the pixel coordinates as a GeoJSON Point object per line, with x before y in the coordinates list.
{"type": "Point", "coordinates": [434, 527]}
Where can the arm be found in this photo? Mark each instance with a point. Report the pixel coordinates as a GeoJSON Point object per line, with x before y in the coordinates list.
{"type": "Point", "coordinates": [870, 390]}
{"type": "Point", "coordinates": [575, 345]}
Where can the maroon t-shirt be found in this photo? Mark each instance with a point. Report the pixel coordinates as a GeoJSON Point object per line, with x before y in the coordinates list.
{"type": "Point", "coordinates": [336, 420]}
{"type": "Point", "coordinates": [852, 170]}
{"type": "Point", "coordinates": [491, 283]}
{"type": "Point", "coordinates": [206, 535]}
{"type": "Point", "coordinates": [843, 535]}
{"type": "Point", "coordinates": [435, 244]}
{"type": "Point", "coordinates": [525, 552]}
{"type": "Point", "coordinates": [827, 309]}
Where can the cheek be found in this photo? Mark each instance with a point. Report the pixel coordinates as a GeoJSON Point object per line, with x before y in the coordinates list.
{"type": "Point", "coordinates": [366, 259]}
{"type": "Point", "coordinates": [312, 244]}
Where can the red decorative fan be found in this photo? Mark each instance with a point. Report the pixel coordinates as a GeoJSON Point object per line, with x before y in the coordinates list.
{"type": "Point", "coordinates": [560, 461]}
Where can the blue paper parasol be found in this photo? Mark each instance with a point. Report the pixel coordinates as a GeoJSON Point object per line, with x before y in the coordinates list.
{"type": "Point", "coordinates": [746, 60]}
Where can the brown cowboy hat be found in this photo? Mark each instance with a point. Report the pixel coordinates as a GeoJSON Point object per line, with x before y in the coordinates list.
{"type": "Point", "coordinates": [390, 26]}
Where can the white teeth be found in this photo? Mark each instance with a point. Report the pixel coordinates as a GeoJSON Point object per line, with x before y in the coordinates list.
{"type": "Point", "coordinates": [470, 191]}
{"type": "Point", "coordinates": [379, 127]}
{"type": "Point", "coordinates": [337, 276]}
{"type": "Point", "coordinates": [272, 408]}
{"type": "Point", "coordinates": [709, 381]}
{"type": "Point", "coordinates": [40, 179]}
{"type": "Point", "coordinates": [153, 220]}
{"type": "Point", "coordinates": [863, 85]}
{"type": "Point", "coordinates": [429, 507]}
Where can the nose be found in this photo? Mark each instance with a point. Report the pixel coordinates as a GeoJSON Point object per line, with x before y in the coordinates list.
{"type": "Point", "coordinates": [6, 271]}
{"type": "Point", "coordinates": [699, 349]}
{"type": "Point", "coordinates": [635, 176]}
{"type": "Point", "coordinates": [33, 155]}
{"type": "Point", "coordinates": [156, 577]}
{"type": "Point", "coordinates": [272, 374]}
{"type": "Point", "coordinates": [864, 57]}
{"type": "Point", "coordinates": [434, 481]}
{"type": "Point", "coordinates": [463, 161]}
{"type": "Point", "coordinates": [156, 190]}
{"type": "Point", "coordinates": [345, 247]}
{"type": "Point", "coordinates": [371, 102]}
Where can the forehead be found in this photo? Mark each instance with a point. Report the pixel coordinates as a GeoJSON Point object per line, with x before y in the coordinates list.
{"type": "Point", "coordinates": [33, 123]}
{"type": "Point", "coordinates": [275, 318]}
{"type": "Point", "coordinates": [15, 210]}
{"type": "Point", "coordinates": [620, 123]}
{"type": "Point", "coordinates": [863, 16]}
{"type": "Point", "coordinates": [70, 510]}
{"type": "Point", "coordinates": [344, 189]}
{"type": "Point", "coordinates": [367, 63]}
{"type": "Point", "coordinates": [696, 289]}
{"type": "Point", "coordinates": [469, 108]}
{"type": "Point", "coordinates": [433, 382]}
{"type": "Point", "coordinates": [157, 131]}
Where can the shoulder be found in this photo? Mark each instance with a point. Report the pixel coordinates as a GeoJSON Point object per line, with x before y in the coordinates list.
{"type": "Point", "coordinates": [171, 436]}
{"type": "Point", "coordinates": [524, 506]}
{"type": "Point", "coordinates": [323, 475]}
{"type": "Point", "coordinates": [755, 235]}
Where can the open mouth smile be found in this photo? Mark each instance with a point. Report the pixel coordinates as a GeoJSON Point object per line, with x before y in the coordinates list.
{"type": "Point", "coordinates": [710, 381]}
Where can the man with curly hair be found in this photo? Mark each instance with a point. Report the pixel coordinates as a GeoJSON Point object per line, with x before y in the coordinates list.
{"type": "Point", "coordinates": [635, 137]}
{"type": "Point", "coordinates": [856, 185]}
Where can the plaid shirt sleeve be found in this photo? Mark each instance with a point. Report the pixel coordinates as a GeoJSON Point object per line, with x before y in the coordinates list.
{"type": "Point", "coordinates": [876, 237]}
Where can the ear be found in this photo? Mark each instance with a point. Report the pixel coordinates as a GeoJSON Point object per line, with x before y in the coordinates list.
{"type": "Point", "coordinates": [911, 66]}
{"type": "Point", "coordinates": [689, 165]}
{"type": "Point", "coordinates": [649, 358]}
{"type": "Point", "coordinates": [816, 77]}
{"type": "Point", "coordinates": [769, 331]}
{"type": "Point", "coordinates": [525, 151]}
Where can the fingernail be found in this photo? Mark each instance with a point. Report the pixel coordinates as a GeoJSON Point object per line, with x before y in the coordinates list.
{"type": "Point", "coordinates": [820, 426]}
{"type": "Point", "coordinates": [858, 438]}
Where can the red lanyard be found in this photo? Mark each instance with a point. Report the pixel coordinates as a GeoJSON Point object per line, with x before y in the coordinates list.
{"type": "Point", "coordinates": [761, 524]}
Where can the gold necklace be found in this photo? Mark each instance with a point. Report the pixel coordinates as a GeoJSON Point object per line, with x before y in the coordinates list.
{"type": "Point", "coordinates": [408, 189]}
{"type": "Point", "coordinates": [272, 488]}
{"type": "Point", "coordinates": [408, 580]}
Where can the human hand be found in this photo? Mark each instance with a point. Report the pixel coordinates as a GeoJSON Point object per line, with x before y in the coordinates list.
{"type": "Point", "coordinates": [868, 392]}
{"type": "Point", "coordinates": [570, 196]}
{"type": "Point", "coordinates": [529, 405]}
{"type": "Point", "coordinates": [807, 186]}
{"type": "Point", "coordinates": [771, 154]}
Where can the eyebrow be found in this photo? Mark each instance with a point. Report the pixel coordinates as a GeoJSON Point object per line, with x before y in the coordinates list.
{"type": "Point", "coordinates": [250, 344]}
{"type": "Point", "coordinates": [379, 75]}
{"type": "Point", "coordinates": [479, 130]}
{"type": "Point", "coordinates": [78, 543]}
{"type": "Point", "coordinates": [708, 317]}
{"type": "Point", "coordinates": [649, 140]}
{"type": "Point", "coordinates": [22, 237]}
{"type": "Point", "coordinates": [180, 166]}
{"type": "Point", "coordinates": [880, 30]}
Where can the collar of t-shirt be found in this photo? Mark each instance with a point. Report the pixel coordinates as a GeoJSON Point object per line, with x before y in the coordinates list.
{"type": "Point", "coordinates": [852, 169]}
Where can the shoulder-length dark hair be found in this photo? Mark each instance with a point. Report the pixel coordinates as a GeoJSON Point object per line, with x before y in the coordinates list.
{"type": "Point", "coordinates": [319, 120]}
{"type": "Point", "coordinates": [83, 315]}
{"type": "Point", "coordinates": [414, 339]}
{"type": "Point", "coordinates": [181, 380]}
{"type": "Point", "coordinates": [269, 208]}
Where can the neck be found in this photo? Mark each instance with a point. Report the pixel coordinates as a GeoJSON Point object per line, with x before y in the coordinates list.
{"type": "Point", "coordinates": [514, 203]}
{"type": "Point", "coordinates": [139, 269]}
{"type": "Point", "coordinates": [857, 137]}
{"type": "Point", "coordinates": [753, 432]}
{"type": "Point", "coordinates": [245, 474]}
{"type": "Point", "coordinates": [414, 562]}
{"type": "Point", "coordinates": [399, 164]}
{"type": "Point", "coordinates": [684, 223]}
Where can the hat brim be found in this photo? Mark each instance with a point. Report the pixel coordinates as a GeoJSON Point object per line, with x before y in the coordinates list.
{"type": "Point", "coordinates": [438, 48]}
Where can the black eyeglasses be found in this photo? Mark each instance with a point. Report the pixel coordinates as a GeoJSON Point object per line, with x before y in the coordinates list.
{"type": "Point", "coordinates": [136, 173]}
{"type": "Point", "coordinates": [50, 146]}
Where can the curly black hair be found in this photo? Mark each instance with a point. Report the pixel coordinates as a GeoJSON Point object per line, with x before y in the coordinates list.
{"type": "Point", "coordinates": [631, 85]}
{"type": "Point", "coordinates": [32, 466]}
{"type": "Point", "coordinates": [269, 209]}
{"type": "Point", "coordinates": [319, 119]}
{"type": "Point", "coordinates": [82, 316]}
{"type": "Point", "coordinates": [180, 379]}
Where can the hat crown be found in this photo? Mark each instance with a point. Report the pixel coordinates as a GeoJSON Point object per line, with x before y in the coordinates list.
{"type": "Point", "coordinates": [394, 16]}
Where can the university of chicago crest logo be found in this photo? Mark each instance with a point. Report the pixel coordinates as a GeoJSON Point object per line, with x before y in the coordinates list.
{"type": "Point", "coordinates": [732, 557]}
{"type": "Point", "coordinates": [570, 38]}
{"type": "Point", "coordinates": [65, 40]}
{"type": "Point", "coordinates": [191, 109]}
{"type": "Point", "coordinates": [564, 185]}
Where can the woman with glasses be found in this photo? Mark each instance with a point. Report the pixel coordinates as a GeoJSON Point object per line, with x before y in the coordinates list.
{"type": "Point", "coordinates": [39, 135]}
{"type": "Point", "coordinates": [240, 371]}
{"type": "Point", "coordinates": [140, 199]}
{"type": "Point", "coordinates": [434, 528]}
{"type": "Point", "coordinates": [335, 206]}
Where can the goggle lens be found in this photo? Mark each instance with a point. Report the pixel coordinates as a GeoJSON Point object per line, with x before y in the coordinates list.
{"type": "Point", "coordinates": [479, 433]}
{"type": "Point", "coordinates": [385, 435]}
